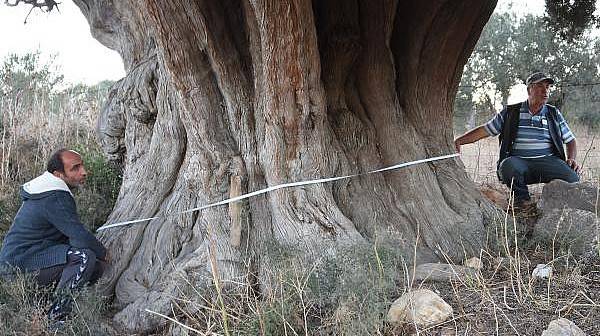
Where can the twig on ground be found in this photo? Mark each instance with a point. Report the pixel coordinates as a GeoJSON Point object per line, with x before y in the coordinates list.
{"type": "Point", "coordinates": [506, 303]}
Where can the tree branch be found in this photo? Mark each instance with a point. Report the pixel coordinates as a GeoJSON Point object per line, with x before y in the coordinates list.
{"type": "Point", "coordinates": [48, 5]}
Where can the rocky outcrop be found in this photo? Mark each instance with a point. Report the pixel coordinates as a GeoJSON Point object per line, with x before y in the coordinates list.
{"type": "Point", "coordinates": [572, 230]}
{"type": "Point", "coordinates": [569, 219]}
{"type": "Point", "coordinates": [560, 195]}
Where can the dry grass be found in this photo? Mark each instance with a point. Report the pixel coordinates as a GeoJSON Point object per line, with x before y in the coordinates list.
{"type": "Point", "coordinates": [23, 307]}
{"type": "Point", "coordinates": [33, 128]}
{"type": "Point", "coordinates": [351, 297]}
{"type": "Point", "coordinates": [505, 299]}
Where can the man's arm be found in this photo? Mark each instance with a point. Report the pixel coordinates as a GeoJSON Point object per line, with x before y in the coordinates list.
{"type": "Point", "coordinates": [63, 216]}
{"type": "Point", "coordinates": [572, 156]}
{"type": "Point", "coordinates": [471, 136]}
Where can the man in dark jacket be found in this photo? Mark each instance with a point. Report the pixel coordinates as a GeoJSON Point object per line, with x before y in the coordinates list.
{"type": "Point", "coordinates": [47, 239]}
{"type": "Point", "coordinates": [532, 134]}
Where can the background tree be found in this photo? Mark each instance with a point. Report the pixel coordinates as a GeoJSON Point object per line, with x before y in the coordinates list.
{"type": "Point", "coordinates": [570, 18]}
{"type": "Point", "coordinates": [510, 48]}
{"type": "Point", "coordinates": [490, 73]}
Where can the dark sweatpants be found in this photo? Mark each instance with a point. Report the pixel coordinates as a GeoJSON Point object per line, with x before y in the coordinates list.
{"type": "Point", "coordinates": [82, 268]}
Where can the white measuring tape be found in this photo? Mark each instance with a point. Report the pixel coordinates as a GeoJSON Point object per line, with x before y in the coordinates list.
{"type": "Point", "coordinates": [281, 186]}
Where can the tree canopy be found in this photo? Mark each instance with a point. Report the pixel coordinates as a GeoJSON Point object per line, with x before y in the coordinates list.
{"type": "Point", "coordinates": [570, 18]}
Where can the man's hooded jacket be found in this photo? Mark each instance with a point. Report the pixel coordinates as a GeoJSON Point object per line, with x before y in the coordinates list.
{"type": "Point", "coordinates": [45, 227]}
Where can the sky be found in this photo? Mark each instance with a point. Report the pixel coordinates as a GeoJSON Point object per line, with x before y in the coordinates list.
{"type": "Point", "coordinates": [536, 7]}
{"type": "Point", "coordinates": [65, 34]}
{"type": "Point", "coordinates": [79, 56]}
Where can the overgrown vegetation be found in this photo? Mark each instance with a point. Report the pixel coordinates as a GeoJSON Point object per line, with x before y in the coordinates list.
{"type": "Point", "coordinates": [23, 307]}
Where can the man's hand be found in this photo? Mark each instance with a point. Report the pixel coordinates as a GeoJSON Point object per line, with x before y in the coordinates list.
{"type": "Point", "coordinates": [571, 155]}
{"type": "Point", "coordinates": [574, 165]}
{"type": "Point", "coordinates": [457, 146]}
{"type": "Point", "coordinates": [471, 136]}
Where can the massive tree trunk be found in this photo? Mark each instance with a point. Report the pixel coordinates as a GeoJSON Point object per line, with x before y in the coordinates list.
{"type": "Point", "coordinates": [227, 97]}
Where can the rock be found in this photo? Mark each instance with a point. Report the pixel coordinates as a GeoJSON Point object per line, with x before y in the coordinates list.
{"type": "Point", "coordinates": [177, 330]}
{"type": "Point", "coordinates": [442, 272]}
{"type": "Point", "coordinates": [567, 229]}
{"type": "Point", "coordinates": [421, 307]}
{"type": "Point", "coordinates": [542, 271]}
{"type": "Point", "coordinates": [559, 195]}
{"type": "Point", "coordinates": [474, 263]}
{"type": "Point", "coordinates": [496, 194]}
{"type": "Point", "coordinates": [562, 327]}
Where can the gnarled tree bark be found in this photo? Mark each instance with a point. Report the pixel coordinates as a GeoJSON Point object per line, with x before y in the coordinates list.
{"type": "Point", "coordinates": [227, 97]}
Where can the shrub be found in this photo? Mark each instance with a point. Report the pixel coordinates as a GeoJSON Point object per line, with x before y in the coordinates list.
{"type": "Point", "coordinates": [23, 308]}
{"type": "Point", "coordinates": [96, 199]}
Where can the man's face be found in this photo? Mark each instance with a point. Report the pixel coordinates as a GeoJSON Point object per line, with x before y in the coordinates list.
{"type": "Point", "coordinates": [539, 91]}
{"type": "Point", "coordinates": [74, 174]}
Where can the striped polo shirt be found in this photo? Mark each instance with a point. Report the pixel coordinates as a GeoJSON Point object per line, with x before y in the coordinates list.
{"type": "Point", "coordinates": [533, 138]}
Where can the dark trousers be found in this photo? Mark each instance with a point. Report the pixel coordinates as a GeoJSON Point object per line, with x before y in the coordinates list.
{"type": "Point", "coordinates": [518, 173]}
{"type": "Point", "coordinates": [82, 268]}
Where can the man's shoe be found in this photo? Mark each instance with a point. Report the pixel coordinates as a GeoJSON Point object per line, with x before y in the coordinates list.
{"type": "Point", "coordinates": [527, 214]}
{"type": "Point", "coordinates": [526, 209]}
{"type": "Point", "coordinates": [56, 326]}
{"type": "Point", "coordinates": [59, 310]}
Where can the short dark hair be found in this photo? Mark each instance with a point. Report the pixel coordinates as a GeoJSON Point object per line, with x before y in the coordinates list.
{"type": "Point", "coordinates": [55, 162]}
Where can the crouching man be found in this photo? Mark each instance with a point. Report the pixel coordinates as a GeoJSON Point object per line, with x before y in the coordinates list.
{"type": "Point", "coordinates": [532, 138]}
{"type": "Point", "coordinates": [46, 237]}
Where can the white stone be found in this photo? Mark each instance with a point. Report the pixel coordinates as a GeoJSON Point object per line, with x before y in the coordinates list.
{"type": "Point", "coordinates": [562, 327]}
{"type": "Point", "coordinates": [474, 263]}
{"type": "Point", "coordinates": [542, 271]}
{"type": "Point", "coordinates": [421, 307]}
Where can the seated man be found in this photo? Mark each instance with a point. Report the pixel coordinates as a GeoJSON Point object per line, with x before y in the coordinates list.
{"type": "Point", "coordinates": [46, 237]}
{"type": "Point", "coordinates": [532, 134]}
